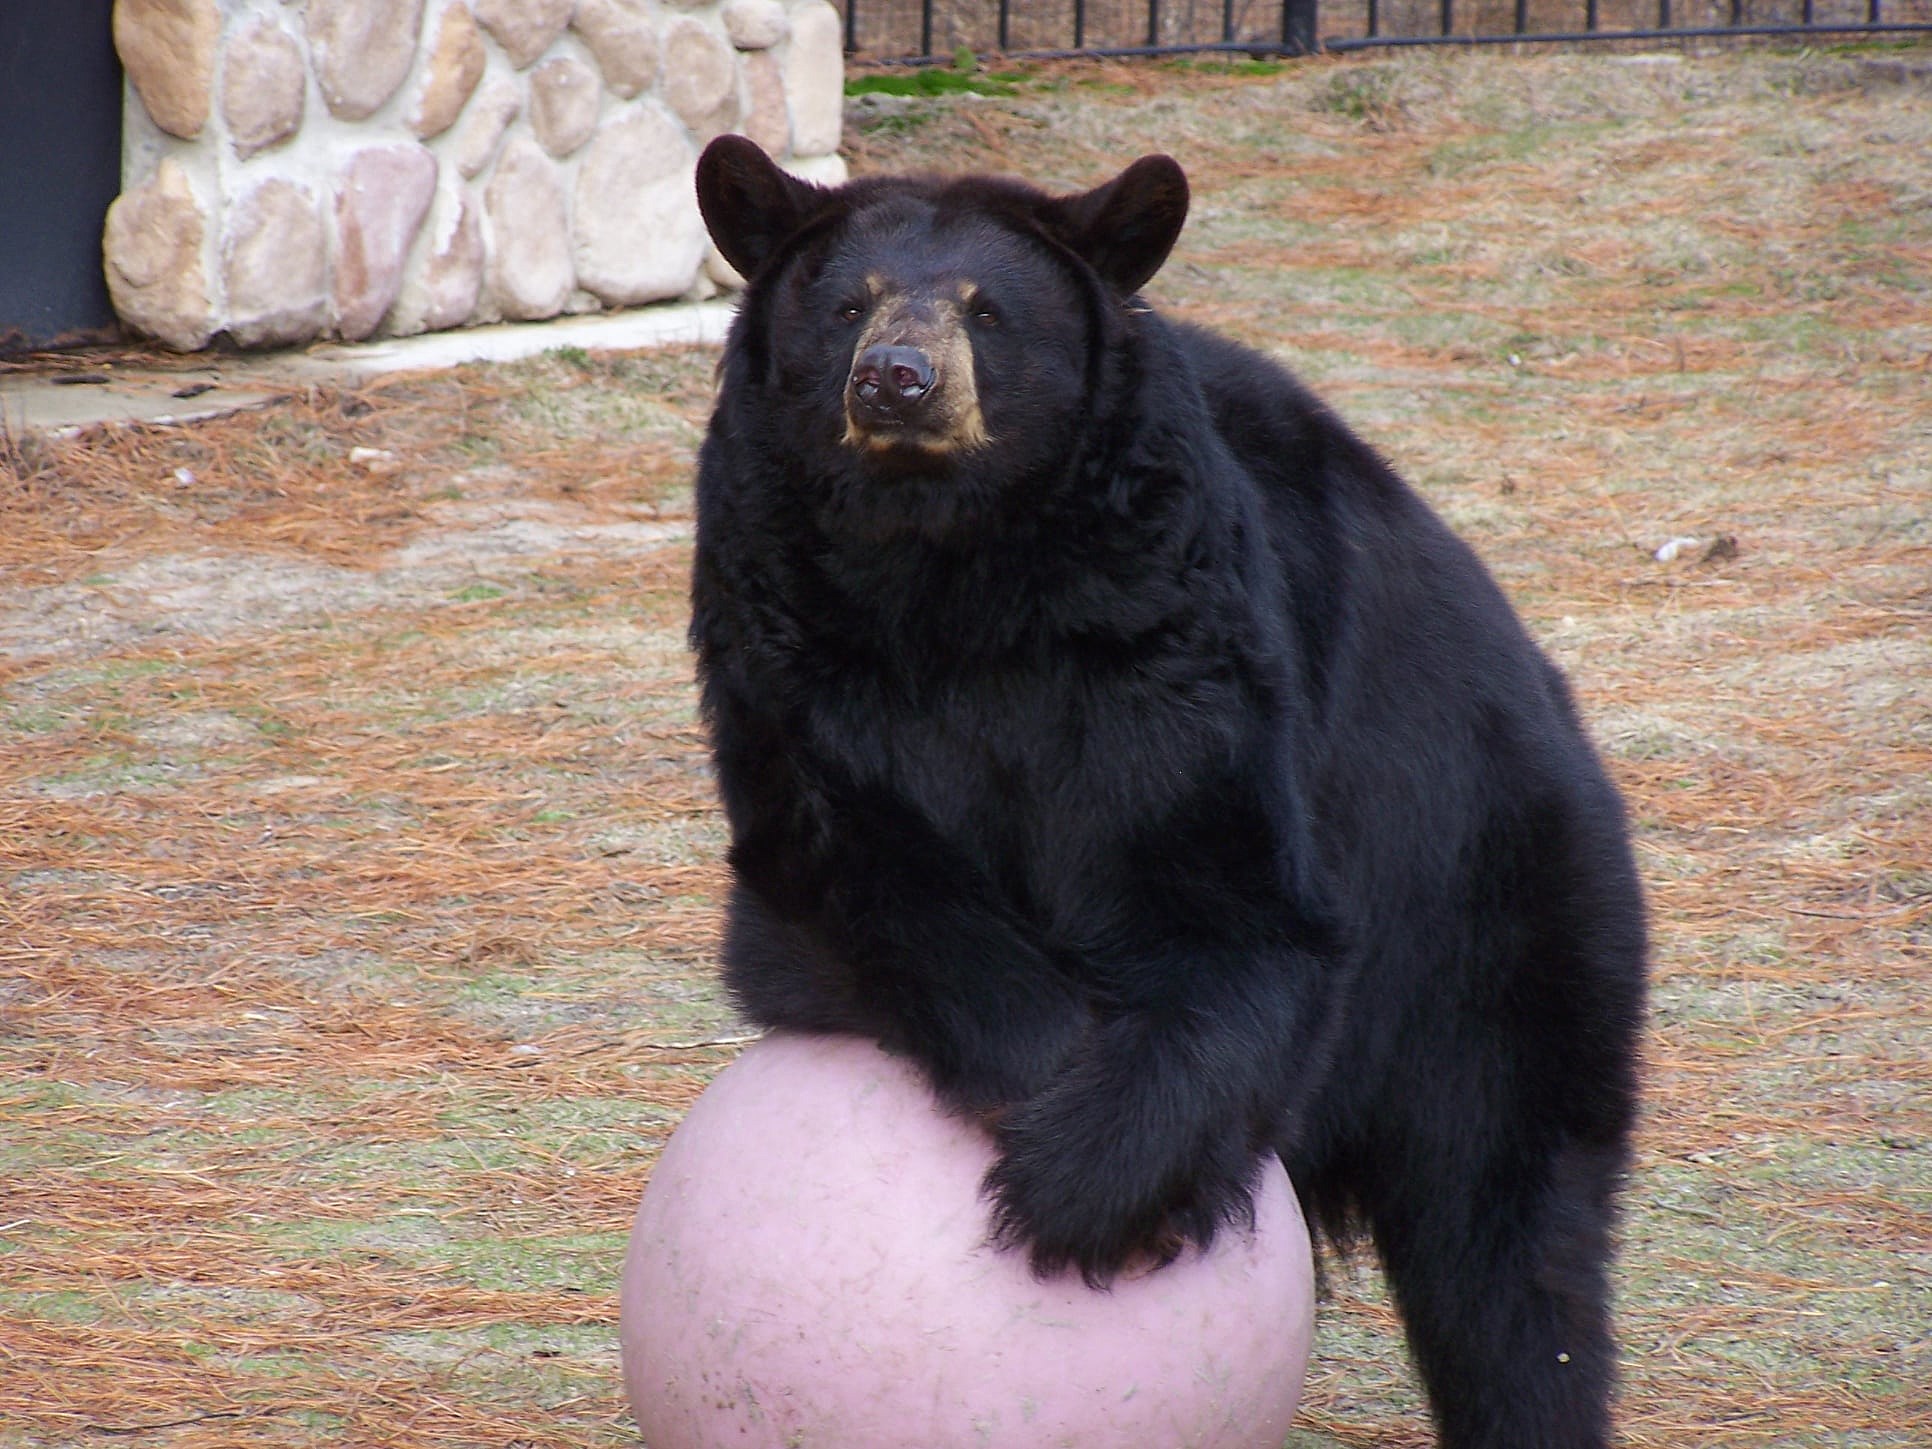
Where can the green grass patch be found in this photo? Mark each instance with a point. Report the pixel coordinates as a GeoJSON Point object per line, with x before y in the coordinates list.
{"type": "Point", "coordinates": [936, 80]}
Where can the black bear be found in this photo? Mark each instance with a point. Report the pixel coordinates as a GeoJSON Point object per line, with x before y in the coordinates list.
{"type": "Point", "coordinates": [1105, 727]}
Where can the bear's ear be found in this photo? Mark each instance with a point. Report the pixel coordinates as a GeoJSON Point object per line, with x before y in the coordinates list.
{"type": "Point", "coordinates": [749, 204]}
{"type": "Point", "coordinates": [1125, 229]}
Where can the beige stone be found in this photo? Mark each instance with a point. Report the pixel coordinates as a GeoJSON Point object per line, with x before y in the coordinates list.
{"type": "Point", "coordinates": [362, 51]}
{"type": "Point", "coordinates": [153, 250]}
{"type": "Point", "coordinates": [454, 66]}
{"type": "Point", "coordinates": [484, 121]}
{"type": "Point", "coordinates": [700, 78]}
{"type": "Point", "coordinates": [263, 84]}
{"type": "Point", "coordinates": [524, 28]}
{"type": "Point", "coordinates": [275, 267]}
{"type": "Point", "coordinates": [722, 274]}
{"type": "Point", "coordinates": [755, 24]}
{"type": "Point", "coordinates": [168, 49]}
{"type": "Point", "coordinates": [623, 37]}
{"type": "Point", "coordinates": [442, 284]}
{"type": "Point", "coordinates": [639, 237]}
{"type": "Point", "coordinates": [563, 104]}
{"type": "Point", "coordinates": [820, 170]}
{"type": "Point", "coordinates": [815, 78]}
{"type": "Point", "coordinates": [530, 273]}
{"type": "Point", "coordinates": [768, 119]}
{"type": "Point", "coordinates": [380, 204]}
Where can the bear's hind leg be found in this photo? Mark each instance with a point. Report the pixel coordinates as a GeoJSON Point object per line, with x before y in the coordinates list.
{"type": "Point", "coordinates": [1502, 1279]}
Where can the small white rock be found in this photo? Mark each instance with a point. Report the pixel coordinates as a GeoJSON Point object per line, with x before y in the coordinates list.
{"type": "Point", "coordinates": [376, 462]}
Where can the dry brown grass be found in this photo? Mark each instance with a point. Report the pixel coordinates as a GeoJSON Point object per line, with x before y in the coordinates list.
{"type": "Point", "coordinates": [360, 865]}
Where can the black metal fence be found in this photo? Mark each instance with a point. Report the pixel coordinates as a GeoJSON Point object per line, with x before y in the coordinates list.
{"type": "Point", "coordinates": [915, 31]}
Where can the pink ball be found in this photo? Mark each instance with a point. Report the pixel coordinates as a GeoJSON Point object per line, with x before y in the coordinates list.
{"type": "Point", "coordinates": [809, 1268]}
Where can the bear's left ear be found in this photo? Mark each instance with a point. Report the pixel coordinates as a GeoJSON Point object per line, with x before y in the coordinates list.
{"type": "Point", "coordinates": [1125, 228]}
{"type": "Point", "coordinates": [749, 205]}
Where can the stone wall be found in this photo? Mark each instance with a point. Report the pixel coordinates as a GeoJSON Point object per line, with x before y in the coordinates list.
{"type": "Point", "coordinates": [297, 169]}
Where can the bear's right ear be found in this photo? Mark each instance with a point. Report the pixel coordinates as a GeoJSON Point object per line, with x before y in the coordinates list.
{"type": "Point", "coordinates": [749, 204]}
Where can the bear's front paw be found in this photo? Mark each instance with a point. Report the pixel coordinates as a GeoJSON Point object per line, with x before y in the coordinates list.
{"type": "Point", "coordinates": [1099, 1204]}
{"type": "Point", "coordinates": [1059, 1228]}
{"type": "Point", "coordinates": [1075, 1191]}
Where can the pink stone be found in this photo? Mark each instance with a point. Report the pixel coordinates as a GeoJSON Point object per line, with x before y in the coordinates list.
{"type": "Point", "coordinates": [275, 267]}
{"type": "Point", "coordinates": [755, 24]}
{"type": "Point", "coordinates": [441, 288]}
{"type": "Point", "coordinates": [362, 51]}
{"type": "Point", "coordinates": [525, 28]}
{"type": "Point", "coordinates": [263, 80]}
{"type": "Point", "coordinates": [380, 203]}
{"type": "Point", "coordinates": [700, 78]}
{"type": "Point", "coordinates": [484, 121]}
{"type": "Point", "coordinates": [530, 269]}
{"type": "Point", "coordinates": [623, 37]}
{"type": "Point", "coordinates": [563, 104]}
{"type": "Point", "coordinates": [639, 237]}
{"type": "Point", "coordinates": [768, 119]}
{"type": "Point", "coordinates": [815, 78]}
{"type": "Point", "coordinates": [455, 65]}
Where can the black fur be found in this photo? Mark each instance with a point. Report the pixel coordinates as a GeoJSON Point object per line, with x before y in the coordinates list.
{"type": "Point", "coordinates": [1168, 781]}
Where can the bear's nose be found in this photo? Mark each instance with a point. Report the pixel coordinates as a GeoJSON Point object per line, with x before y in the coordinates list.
{"type": "Point", "coordinates": [892, 383]}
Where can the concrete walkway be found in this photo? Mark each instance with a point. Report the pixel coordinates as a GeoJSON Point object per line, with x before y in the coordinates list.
{"type": "Point", "coordinates": [64, 400]}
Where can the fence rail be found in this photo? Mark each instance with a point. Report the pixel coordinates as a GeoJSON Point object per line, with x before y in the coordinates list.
{"type": "Point", "coordinates": [920, 31]}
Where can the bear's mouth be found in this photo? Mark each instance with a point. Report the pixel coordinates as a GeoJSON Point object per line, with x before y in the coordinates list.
{"type": "Point", "coordinates": [929, 438]}
{"type": "Point", "coordinates": [905, 442]}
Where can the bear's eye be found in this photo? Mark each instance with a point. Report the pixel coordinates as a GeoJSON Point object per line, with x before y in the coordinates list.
{"type": "Point", "coordinates": [851, 312]}
{"type": "Point", "coordinates": [982, 313]}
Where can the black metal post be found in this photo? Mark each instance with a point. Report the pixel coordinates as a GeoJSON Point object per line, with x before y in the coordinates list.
{"type": "Point", "coordinates": [925, 26]}
{"type": "Point", "coordinates": [1080, 24]}
{"type": "Point", "coordinates": [1153, 22]}
{"type": "Point", "coordinates": [851, 27]}
{"type": "Point", "coordinates": [1298, 26]}
{"type": "Point", "coordinates": [1663, 14]}
{"type": "Point", "coordinates": [1522, 16]}
{"type": "Point", "coordinates": [1006, 9]}
{"type": "Point", "coordinates": [1448, 17]}
{"type": "Point", "coordinates": [1590, 15]}
{"type": "Point", "coordinates": [1227, 22]}
{"type": "Point", "coordinates": [1375, 17]}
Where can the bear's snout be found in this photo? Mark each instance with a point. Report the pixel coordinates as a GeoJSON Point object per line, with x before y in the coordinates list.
{"type": "Point", "coordinates": [892, 384]}
{"type": "Point", "coordinates": [911, 391]}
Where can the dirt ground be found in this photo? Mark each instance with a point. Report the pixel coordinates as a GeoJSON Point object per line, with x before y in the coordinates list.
{"type": "Point", "coordinates": [359, 865]}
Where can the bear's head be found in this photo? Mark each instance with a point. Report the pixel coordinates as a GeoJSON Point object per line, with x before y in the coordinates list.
{"type": "Point", "coordinates": [920, 326]}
